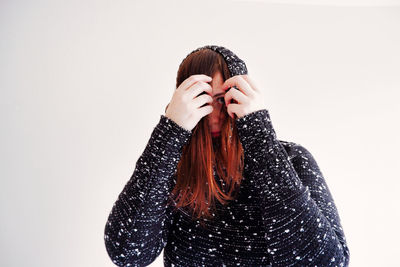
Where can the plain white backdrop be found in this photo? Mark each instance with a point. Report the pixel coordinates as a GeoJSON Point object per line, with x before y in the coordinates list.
{"type": "Point", "coordinates": [83, 84]}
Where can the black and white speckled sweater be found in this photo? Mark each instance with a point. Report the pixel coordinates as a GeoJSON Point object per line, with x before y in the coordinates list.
{"type": "Point", "coordinates": [284, 214]}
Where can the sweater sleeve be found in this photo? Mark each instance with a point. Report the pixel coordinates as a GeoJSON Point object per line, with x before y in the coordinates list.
{"type": "Point", "coordinates": [299, 215]}
{"type": "Point", "coordinates": [137, 227]}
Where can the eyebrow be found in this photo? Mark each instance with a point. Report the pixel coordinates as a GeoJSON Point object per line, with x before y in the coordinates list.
{"type": "Point", "coordinates": [218, 94]}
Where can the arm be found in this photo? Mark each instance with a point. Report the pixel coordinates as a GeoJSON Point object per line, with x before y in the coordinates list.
{"type": "Point", "coordinates": [299, 231]}
{"type": "Point", "coordinates": [137, 227]}
{"type": "Point", "coordinates": [312, 177]}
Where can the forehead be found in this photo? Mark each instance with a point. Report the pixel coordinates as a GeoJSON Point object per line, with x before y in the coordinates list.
{"type": "Point", "coordinates": [217, 77]}
{"type": "Point", "coordinates": [217, 83]}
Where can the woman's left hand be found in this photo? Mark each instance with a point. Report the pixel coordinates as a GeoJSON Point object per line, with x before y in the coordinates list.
{"type": "Point", "coordinates": [249, 98]}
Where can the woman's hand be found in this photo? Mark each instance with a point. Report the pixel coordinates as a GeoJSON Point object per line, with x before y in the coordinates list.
{"type": "Point", "coordinates": [186, 106]}
{"type": "Point", "coordinates": [248, 98]}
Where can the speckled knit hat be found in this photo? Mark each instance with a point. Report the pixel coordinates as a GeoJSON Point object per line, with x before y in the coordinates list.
{"type": "Point", "coordinates": [235, 64]}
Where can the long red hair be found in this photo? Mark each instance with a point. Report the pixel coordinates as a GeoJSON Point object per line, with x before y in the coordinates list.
{"type": "Point", "coordinates": [196, 188]}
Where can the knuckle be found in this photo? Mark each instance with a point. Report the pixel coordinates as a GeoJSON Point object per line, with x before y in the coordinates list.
{"type": "Point", "coordinates": [202, 84]}
{"type": "Point", "coordinates": [194, 78]}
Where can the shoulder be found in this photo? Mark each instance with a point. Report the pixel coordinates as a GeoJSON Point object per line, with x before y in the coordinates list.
{"type": "Point", "coordinates": [296, 151]}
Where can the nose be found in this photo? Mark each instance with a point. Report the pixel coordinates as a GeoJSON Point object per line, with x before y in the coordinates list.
{"type": "Point", "coordinates": [215, 116]}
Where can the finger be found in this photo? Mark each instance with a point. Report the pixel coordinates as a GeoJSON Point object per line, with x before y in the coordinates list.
{"type": "Point", "coordinates": [193, 79]}
{"type": "Point", "coordinates": [205, 110]}
{"type": "Point", "coordinates": [201, 100]}
{"type": "Point", "coordinates": [198, 88]}
{"type": "Point", "coordinates": [235, 95]}
{"type": "Point", "coordinates": [240, 83]}
{"type": "Point", "coordinates": [251, 82]}
{"type": "Point", "coordinates": [232, 110]}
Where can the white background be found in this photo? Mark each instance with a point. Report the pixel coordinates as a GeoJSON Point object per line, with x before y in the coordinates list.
{"type": "Point", "coordinates": [83, 84]}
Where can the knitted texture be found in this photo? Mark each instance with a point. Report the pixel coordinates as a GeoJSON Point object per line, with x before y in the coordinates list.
{"type": "Point", "coordinates": [283, 215]}
{"type": "Point", "coordinates": [236, 65]}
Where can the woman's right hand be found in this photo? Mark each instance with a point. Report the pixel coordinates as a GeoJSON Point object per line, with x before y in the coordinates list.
{"type": "Point", "coordinates": [185, 107]}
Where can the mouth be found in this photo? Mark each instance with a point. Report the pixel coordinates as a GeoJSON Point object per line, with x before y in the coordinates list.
{"type": "Point", "coordinates": [215, 134]}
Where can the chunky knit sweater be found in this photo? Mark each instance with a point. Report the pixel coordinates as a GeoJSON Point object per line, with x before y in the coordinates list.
{"type": "Point", "coordinates": [284, 214]}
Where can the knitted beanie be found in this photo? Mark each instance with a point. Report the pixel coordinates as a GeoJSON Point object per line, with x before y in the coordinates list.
{"type": "Point", "coordinates": [235, 64]}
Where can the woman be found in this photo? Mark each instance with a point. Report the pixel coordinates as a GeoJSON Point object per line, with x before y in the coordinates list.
{"type": "Point", "coordinates": [215, 187]}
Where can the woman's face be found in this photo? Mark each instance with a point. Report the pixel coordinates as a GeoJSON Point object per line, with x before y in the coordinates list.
{"type": "Point", "coordinates": [216, 116]}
